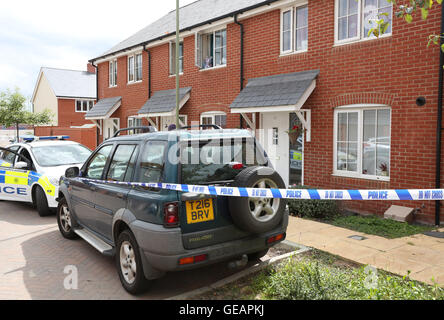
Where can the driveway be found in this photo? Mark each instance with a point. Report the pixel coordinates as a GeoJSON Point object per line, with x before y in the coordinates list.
{"type": "Point", "coordinates": [34, 256]}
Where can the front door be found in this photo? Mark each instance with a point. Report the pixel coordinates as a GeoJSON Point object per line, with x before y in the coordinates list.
{"type": "Point", "coordinates": [275, 141]}
{"type": "Point", "coordinates": [296, 137]}
{"type": "Point", "coordinates": [110, 127]}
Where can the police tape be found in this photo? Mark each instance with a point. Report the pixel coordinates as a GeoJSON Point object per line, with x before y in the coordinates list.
{"type": "Point", "coordinates": [302, 194]}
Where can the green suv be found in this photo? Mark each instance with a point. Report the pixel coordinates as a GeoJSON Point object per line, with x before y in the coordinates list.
{"type": "Point", "coordinates": [151, 231]}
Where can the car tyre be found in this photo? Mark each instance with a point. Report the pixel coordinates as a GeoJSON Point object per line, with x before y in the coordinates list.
{"type": "Point", "coordinates": [129, 264]}
{"type": "Point", "coordinates": [65, 220]}
{"type": "Point", "coordinates": [257, 215]}
{"type": "Point", "coordinates": [41, 203]}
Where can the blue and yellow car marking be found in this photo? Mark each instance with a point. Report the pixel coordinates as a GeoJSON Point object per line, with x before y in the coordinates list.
{"type": "Point", "coordinates": [27, 178]}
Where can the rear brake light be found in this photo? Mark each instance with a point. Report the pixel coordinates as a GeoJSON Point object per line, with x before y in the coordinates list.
{"type": "Point", "coordinates": [277, 238]}
{"type": "Point", "coordinates": [171, 215]}
{"type": "Point", "coordinates": [237, 166]}
{"type": "Point", "coordinates": [191, 260]}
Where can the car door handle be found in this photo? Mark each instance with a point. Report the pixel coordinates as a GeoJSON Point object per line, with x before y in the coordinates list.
{"type": "Point", "coordinates": [120, 195]}
{"type": "Point", "coordinates": [93, 188]}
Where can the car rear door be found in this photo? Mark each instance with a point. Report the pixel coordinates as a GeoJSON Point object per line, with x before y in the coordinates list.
{"type": "Point", "coordinates": [111, 198]}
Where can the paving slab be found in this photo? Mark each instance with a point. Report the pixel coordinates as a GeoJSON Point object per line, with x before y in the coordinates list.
{"type": "Point", "coordinates": [419, 254]}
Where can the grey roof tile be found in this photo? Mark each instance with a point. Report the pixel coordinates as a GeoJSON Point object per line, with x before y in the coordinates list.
{"type": "Point", "coordinates": [71, 83]}
{"type": "Point", "coordinates": [163, 101]}
{"type": "Point", "coordinates": [276, 90]}
{"type": "Point", "coordinates": [190, 15]}
{"type": "Point", "coordinates": [103, 107]}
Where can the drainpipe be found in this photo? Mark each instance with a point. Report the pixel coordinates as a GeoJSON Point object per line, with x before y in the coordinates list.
{"type": "Point", "coordinates": [97, 99]}
{"type": "Point", "coordinates": [149, 71]}
{"type": "Point", "coordinates": [439, 124]}
{"type": "Point", "coordinates": [241, 62]}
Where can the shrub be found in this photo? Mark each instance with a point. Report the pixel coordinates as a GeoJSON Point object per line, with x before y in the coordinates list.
{"type": "Point", "coordinates": [316, 209]}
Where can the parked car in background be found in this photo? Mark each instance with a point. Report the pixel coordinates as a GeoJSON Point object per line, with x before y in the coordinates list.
{"type": "Point", "coordinates": [153, 231]}
{"type": "Point", "coordinates": [30, 171]}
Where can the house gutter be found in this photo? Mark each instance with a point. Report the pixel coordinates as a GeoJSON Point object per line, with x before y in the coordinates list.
{"type": "Point", "coordinates": [228, 15]}
{"type": "Point", "coordinates": [241, 61]}
{"type": "Point", "coordinates": [439, 122]}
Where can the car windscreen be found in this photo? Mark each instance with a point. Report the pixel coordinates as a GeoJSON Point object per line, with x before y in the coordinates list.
{"type": "Point", "coordinates": [206, 162]}
{"type": "Point", "coordinates": [60, 155]}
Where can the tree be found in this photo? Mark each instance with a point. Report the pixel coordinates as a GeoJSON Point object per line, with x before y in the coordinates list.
{"type": "Point", "coordinates": [405, 9]}
{"type": "Point", "coordinates": [12, 111]}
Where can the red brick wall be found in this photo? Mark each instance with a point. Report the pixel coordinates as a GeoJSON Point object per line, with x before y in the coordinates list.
{"type": "Point", "coordinates": [394, 70]}
{"type": "Point", "coordinates": [86, 137]}
{"type": "Point", "coordinates": [68, 116]}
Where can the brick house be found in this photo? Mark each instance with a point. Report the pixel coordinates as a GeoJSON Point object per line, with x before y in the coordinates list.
{"type": "Point", "coordinates": [275, 65]}
{"type": "Point", "coordinates": [69, 95]}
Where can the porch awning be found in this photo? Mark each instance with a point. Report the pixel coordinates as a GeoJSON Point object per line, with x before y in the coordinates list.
{"type": "Point", "coordinates": [283, 92]}
{"type": "Point", "coordinates": [163, 103]}
{"type": "Point", "coordinates": [104, 108]}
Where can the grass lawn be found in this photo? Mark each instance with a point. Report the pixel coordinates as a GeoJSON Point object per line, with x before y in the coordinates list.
{"type": "Point", "coordinates": [377, 226]}
{"type": "Point", "coordinates": [320, 276]}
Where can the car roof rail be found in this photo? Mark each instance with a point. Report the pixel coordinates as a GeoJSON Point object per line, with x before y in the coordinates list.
{"type": "Point", "coordinates": [203, 126]}
{"type": "Point", "coordinates": [146, 129]}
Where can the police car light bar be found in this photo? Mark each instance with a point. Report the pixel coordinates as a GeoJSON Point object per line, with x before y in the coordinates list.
{"type": "Point", "coordinates": [31, 139]}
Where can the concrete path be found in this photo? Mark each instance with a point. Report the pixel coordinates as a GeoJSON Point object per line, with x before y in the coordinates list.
{"type": "Point", "coordinates": [422, 255]}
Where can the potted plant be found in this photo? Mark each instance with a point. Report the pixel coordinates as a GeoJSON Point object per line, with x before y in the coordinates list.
{"type": "Point", "coordinates": [384, 169]}
{"type": "Point", "coordinates": [294, 133]}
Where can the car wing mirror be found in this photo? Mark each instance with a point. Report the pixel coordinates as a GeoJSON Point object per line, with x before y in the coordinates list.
{"type": "Point", "coordinates": [20, 165]}
{"type": "Point", "coordinates": [72, 172]}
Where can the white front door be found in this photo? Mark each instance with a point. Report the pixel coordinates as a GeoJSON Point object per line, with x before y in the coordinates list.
{"type": "Point", "coordinates": [165, 122]}
{"type": "Point", "coordinates": [110, 127]}
{"type": "Point", "coordinates": [274, 138]}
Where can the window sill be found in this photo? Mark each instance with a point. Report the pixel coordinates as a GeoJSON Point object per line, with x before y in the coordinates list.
{"type": "Point", "coordinates": [293, 53]}
{"type": "Point", "coordinates": [345, 42]}
{"type": "Point", "coordinates": [213, 68]}
{"type": "Point", "coordinates": [134, 82]}
{"type": "Point", "coordinates": [362, 177]}
{"type": "Point", "coordinates": [173, 75]}
{"type": "Point", "coordinates": [110, 87]}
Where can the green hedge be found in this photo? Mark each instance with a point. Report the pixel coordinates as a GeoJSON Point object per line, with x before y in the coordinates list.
{"type": "Point", "coordinates": [316, 209]}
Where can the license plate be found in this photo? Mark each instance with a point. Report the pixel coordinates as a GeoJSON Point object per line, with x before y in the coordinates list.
{"type": "Point", "coordinates": [200, 211]}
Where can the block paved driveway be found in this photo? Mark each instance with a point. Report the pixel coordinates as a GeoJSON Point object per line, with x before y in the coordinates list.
{"type": "Point", "coordinates": [33, 256]}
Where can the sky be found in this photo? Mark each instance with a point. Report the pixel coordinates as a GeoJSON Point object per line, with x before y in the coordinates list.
{"type": "Point", "coordinates": [66, 34]}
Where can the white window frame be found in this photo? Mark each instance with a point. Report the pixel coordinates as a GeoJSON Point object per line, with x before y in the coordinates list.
{"type": "Point", "coordinates": [360, 32]}
{"type": "Point", "coordinates": [293, 30]}
{"type": "Point", "coordinates": [359, 108]}
{"type": "Point", "coordinates": [83, 101]}
{"type": "Point", "coordinates": [173, 52]}
{"type": "Point", "coordinates": [212, 115]}
{"type": "Point", "coordinates": [113, 73]}
{"type": "Point", "coordinates": [199, 61]}
{"type": "Point", "coordinates": [131, 124]}
{"type": "Point", "coordinates": [134, 68]}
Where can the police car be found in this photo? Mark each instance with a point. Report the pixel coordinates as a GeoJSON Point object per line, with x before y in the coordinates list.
{"type": "Point", "coordinates": [30, 171]}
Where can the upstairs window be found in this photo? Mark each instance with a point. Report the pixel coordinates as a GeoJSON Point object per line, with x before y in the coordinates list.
{"type": "Point", "coordinates": [113, 73]}
{"type": "Point", "coordinates": [355, 18]}
{"type": "Point", "coordinates": [211, 49]}
{"type": "Point", "coordinates": [84, 105]}
{"type": "Point", "coordinates": [135, 68]}
{"type": "Point", "coordinates": [294, 29]}
{"type": "Point", "coordinates": [173, 58]}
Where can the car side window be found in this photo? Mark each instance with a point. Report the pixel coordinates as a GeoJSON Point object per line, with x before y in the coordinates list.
{"type": "Point", "coordinates": [7, 158]}
{"type": "Point", "coordinates": [97, 164]}
{"type": "Point", "coordinates": [120, 162]}
{"type": "Point", "coordinates": [131, 166]}
{"type": "Point", "coordinates": [26, 154]}
{"type": "Point", "coordinates": [152, 162]}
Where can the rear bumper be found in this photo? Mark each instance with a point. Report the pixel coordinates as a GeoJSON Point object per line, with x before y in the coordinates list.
{"type": "Point", "coordinates": [162, 248]}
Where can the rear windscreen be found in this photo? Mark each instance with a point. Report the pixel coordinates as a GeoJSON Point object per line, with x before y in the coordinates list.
{"type": "Point", "coordinates": [205, 162]}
